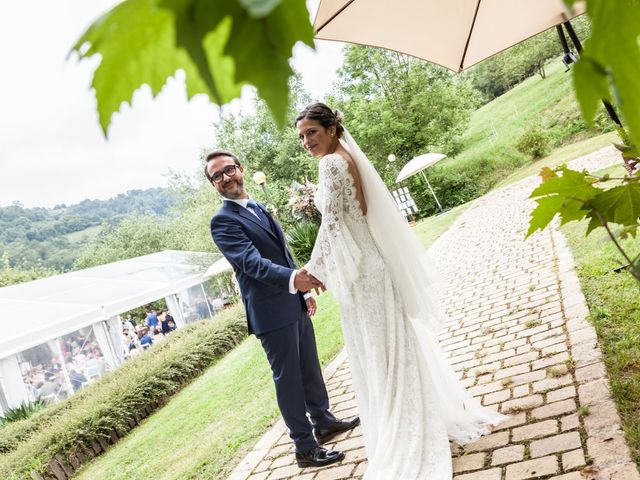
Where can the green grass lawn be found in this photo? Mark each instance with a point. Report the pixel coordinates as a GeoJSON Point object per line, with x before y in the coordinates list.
{"type": "Point", "coordinates": [499, 123]}
{"type": "Point", "coordinates": [84, 235]}
{"type": "Point", "coordinates": [206, 429]}
{"type": "Point", "coordinates": [429, 229]}
{"type": "Point", "coordinates": [613, 303]}
{"type": "Point", "coordinates": [561, 155]}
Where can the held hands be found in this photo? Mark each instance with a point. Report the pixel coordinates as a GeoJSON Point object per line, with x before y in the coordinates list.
{"type": "Point", "coordinates": [311, 306]}
{"type": "Point", "coordinates": [304, 282]}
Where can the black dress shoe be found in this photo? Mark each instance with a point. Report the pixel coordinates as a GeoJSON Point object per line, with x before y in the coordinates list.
{"type": "Point", "coordinates": [323, 435]}
{"type": "Point", "coordinates": [318, 457]}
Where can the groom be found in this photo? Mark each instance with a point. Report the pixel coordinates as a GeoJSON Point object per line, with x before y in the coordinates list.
{"type": "Point", "coordinates": [277, 311]}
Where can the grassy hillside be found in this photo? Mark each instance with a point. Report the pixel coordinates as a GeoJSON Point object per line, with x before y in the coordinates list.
{"type": "Point", "coordinates": [545, 108]}
{"type": "Point", "coordinates": [51, 237]}
{"type": "Point", "coordinates": [548, 102]}
{"type": "Point", "coordinates": [85, 235]}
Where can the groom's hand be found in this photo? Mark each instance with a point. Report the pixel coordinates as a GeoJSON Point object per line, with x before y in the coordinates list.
{"type": "Point", "coordinates": [304, 281]}
{"type": "Point", "coordinates": [311, 306]}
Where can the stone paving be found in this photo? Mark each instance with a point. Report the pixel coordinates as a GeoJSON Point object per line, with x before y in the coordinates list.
{"type": "Point", "coordinates": [517, 336]}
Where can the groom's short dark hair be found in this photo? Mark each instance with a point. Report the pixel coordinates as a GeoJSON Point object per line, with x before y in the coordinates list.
{"type": "Point", "coordinates": [219, 153]}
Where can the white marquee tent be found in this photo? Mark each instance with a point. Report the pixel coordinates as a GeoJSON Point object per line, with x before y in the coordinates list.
{"type": "Point", "coordinates": [40, 311]}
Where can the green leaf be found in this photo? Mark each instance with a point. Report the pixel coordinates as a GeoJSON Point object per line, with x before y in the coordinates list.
{"type": "Point", "coordinates": [572, 210]}
{"type": "Point", "coordinates": [592, 86]}
{"type": "Point", "coordinates": [542, 215]}
{"type": "Point", "coordinates": [137, 41]}
{"type": "Point", "coordinates": [619, 204]}
{"type": "Point", "coordinates": [571, 184]}
{"type": "Point", "coordinates": [626, 232]}
{"type": "Point", "coordinates": [259, 8]}
{"type": "Point", "coordinates": [261, 49]}
{"type": "Point", "coordinates": [614, 47]}
{"type": "Point", "coordinates": [594, 223]}
{"type": "Point", "coordinates": [220, 45]}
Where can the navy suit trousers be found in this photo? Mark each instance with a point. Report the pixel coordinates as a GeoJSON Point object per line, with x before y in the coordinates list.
{"type": "Point", "coordinates": [300, 388]}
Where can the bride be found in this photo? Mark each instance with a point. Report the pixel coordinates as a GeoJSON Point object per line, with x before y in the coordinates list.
{"type": "Point", "coordinates": [409, 399]}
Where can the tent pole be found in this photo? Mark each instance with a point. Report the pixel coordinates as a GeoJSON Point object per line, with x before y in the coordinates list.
{"type": "Point", "coordinates": [432, 192]}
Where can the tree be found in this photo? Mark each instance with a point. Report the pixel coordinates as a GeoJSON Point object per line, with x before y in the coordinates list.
{"type": "Point", "coordinates": [12, 275]}
{"type": "Point", "coordinates": [503, 71]}
{"type": "Point", "coordinates": [135, 236]}
{"type": "Point", "coordinates": [396, 104]}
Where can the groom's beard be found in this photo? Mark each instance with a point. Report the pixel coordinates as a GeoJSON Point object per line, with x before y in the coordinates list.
{"type": "Point", "coordinates": [233, 189]}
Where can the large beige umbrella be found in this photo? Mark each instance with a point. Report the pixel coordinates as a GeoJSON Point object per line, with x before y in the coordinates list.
{"type": "Point", "coordinates": [455, 34]}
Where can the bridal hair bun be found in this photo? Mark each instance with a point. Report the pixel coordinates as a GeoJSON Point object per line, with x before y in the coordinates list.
{"type": "Point", "coordinates": [324, 115]}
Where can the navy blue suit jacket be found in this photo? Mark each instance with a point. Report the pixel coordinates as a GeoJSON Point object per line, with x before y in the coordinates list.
{"type": "Point", "coordinates": [263, 265]}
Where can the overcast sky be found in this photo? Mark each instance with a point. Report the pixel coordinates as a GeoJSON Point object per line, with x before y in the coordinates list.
{"type": "Point", "coordinates": [52, 150]}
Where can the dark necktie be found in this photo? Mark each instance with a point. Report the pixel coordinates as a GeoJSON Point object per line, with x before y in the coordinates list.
{"type": "Point", "coordinates": [253, 206]}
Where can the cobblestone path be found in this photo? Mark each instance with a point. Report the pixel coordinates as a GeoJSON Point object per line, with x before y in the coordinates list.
{"type": "Point", "coordinates": [517, 336]}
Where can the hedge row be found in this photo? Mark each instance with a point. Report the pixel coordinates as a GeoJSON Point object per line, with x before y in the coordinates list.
{"type": "Point", "coordinates": [59, 439]}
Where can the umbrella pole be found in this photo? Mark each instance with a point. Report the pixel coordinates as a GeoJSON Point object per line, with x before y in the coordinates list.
{"type": "Point", "coordinates": [432, 192]}
{"type": "Point", "coordinates": [576, 43]}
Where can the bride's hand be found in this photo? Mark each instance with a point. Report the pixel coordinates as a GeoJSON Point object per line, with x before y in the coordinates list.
{"type": "Point", "coordinates": [319, 287]}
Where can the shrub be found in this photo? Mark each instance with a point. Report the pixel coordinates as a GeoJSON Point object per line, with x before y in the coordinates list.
{"type": "Point", "coordinates": [535, 142]}
{"type": "Point", "coordinates": [23, 411]}
{"type": "Point", "coordinates": [115, 404]}
{"type": "Point", "coordinates": [301, 238]}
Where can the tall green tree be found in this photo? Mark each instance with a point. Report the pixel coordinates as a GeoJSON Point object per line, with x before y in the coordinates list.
{"type": "Point", "coordinates": [10, 275]}
{"type": "Point", "coordinates": [394, 104]}
{"type": "Point", "coordinates": [498, 74]}
{"type": "Point", "coordinates": [184, 227]}
{"type": "Point", "coordinates": [135, 236]}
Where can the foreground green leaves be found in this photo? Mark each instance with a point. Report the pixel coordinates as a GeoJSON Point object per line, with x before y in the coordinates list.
{"type": "Point", "coordinates": [610, 61]}
{"type": "Point", "coordinates": [219, 44]}
{"type": "Point", "coordinates": [574, 196]}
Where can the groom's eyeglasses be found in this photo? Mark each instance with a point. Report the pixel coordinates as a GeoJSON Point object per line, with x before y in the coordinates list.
{"type": "Point", "coordinates": [229, 171]}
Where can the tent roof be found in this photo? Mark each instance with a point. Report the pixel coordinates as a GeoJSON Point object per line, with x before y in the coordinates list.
{"type": "Point", "coordinates": [38, 311]}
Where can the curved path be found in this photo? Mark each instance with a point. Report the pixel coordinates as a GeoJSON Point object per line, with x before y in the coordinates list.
{"type": "Point", "coordinates": [517, 335]}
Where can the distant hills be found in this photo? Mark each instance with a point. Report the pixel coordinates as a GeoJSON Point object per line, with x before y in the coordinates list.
{"type": "Point", "coordinates": [53, 237]}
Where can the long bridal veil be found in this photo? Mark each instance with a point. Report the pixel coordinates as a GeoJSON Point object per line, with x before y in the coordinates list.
{"type": "Point", "coordinates": [413, 274]}
{"type": "Point", "coordinates": [418, 284]}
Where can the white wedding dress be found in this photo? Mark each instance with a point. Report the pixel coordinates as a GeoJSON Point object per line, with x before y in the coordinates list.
{"type": "Point", "coordinates": [409, 399]}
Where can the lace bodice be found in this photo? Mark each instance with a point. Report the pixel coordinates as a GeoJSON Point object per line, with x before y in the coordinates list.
{"type": "Point", "coordinates": [344, 237]}
{"type": "Point", "coordinates": [336, 194]}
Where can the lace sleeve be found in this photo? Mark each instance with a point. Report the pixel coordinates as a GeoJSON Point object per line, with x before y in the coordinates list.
{"type": "Point", "coordinates": [336, 256]}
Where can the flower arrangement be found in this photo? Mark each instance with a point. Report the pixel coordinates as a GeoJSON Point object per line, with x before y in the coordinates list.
{"type": "Point", "coordinates": [301, 202]}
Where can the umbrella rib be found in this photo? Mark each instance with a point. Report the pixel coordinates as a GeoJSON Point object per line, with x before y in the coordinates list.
{"type": "Point", "coordinates": [466, 46]}
{"type": "Point", "coordinates": [334, 16]}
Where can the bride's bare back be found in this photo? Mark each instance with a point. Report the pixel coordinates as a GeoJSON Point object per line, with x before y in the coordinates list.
{"type": "Point", "coordinates": [353, 170]}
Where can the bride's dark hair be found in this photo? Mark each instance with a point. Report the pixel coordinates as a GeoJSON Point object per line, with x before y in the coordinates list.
{"type": "Point", "coordinates": [324, 115]}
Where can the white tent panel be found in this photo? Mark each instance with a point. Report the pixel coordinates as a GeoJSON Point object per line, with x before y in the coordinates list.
{"type": "Point", "coordinates": [38, 311]}
{"type": "Point", "coordinates": [31, 323]}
